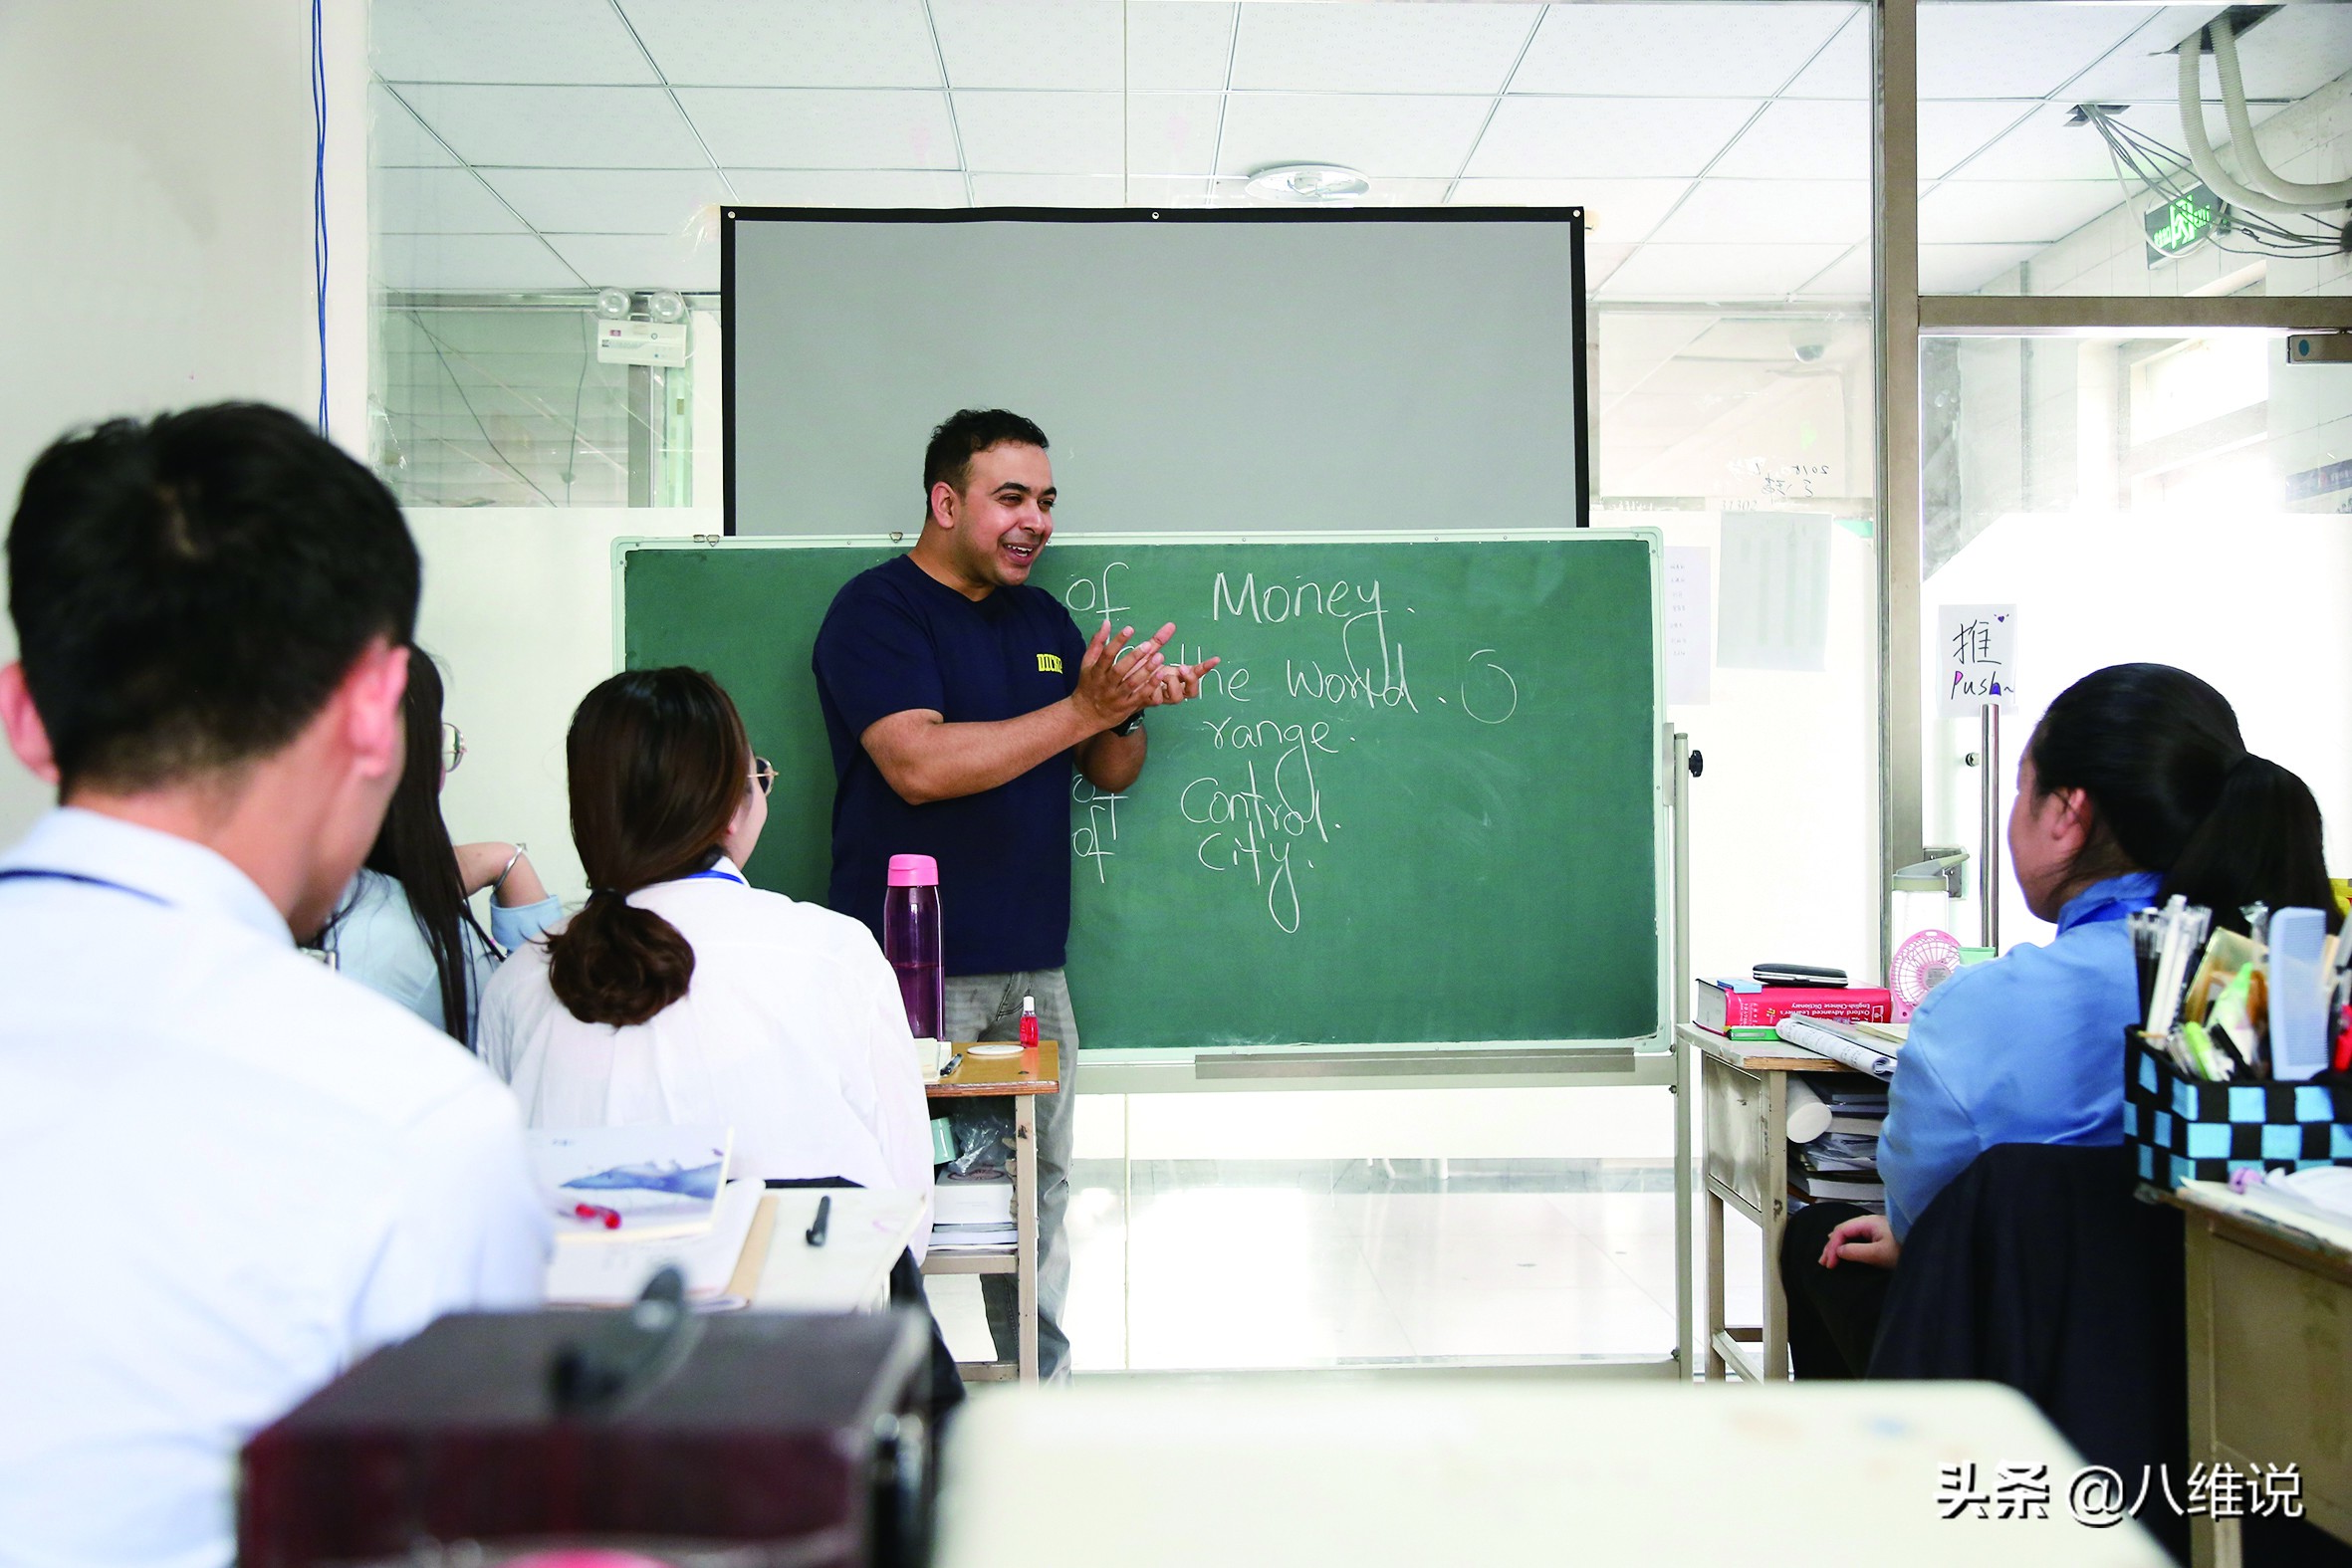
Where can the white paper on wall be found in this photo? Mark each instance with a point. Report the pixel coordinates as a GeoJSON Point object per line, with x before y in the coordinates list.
{"type": "Point", "coordinates": [1773, 609]}
{"type": "Point", "coordinates": [1688, 656]}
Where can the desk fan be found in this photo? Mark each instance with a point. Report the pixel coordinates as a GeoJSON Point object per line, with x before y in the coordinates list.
{"type": "Point", "coordinates": [1925, 961]}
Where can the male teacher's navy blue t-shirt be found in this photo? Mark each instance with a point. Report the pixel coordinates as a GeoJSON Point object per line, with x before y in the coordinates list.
{"type": "Point", "coordinates": [896, 638]}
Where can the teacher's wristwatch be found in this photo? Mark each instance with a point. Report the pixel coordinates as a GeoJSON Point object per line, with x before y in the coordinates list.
{"type": "Point", "coordinates": [1133, 723]}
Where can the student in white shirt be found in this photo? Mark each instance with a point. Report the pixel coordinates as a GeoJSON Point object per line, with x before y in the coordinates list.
{"type": "Point", "coordinates": [680, 993]}
{"type": "Point", "coordinates": [231, 1172]}
{"type": "Point", "coordinates": [404, 926]}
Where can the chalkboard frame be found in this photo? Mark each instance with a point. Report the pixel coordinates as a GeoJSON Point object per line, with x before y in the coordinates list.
{"type": "Point", "coordinates": [1640, 1060]}
{"type": "Point", "coordinates": [1579, 340]}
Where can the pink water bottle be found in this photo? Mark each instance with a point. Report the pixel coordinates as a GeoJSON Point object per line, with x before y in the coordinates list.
{"type": "Point", "coordinates": [910, 941]}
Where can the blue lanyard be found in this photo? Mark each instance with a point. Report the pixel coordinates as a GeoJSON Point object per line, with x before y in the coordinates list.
{"type": "Point", "coordinates": [40, 874]}
{"type": "Point", "coordinates": [713, 875]}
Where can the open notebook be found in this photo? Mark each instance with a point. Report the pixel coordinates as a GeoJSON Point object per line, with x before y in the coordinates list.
{"type": "Point", "coordinates": [722, 1264]}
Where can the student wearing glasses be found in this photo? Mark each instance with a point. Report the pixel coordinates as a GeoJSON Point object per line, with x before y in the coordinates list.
{"type": "Point", "coordinates": [406, 926]}
{"type": "Point", "coordinates": [680, 994]}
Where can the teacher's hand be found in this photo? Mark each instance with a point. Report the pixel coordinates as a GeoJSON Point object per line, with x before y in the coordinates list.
{"type": "Point", "coordinates": [1180, 683]}
{"type": "Point", "coordinates": [1109, 690]}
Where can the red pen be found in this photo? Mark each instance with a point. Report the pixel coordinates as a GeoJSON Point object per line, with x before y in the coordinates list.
{"type": "Point", "coordinates": [1029, 1021]}
{"type": "Point", "coordinates": [610, 1217]}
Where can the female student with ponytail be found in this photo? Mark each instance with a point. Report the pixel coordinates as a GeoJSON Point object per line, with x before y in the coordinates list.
{"type": "Point", "coordinates": [681, 995]}
{"type": "Point", "coordinates": [2135, 785]}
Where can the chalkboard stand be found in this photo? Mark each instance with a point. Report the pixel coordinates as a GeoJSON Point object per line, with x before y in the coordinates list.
{"type": "Point", "coordinates": [1662, 1062]}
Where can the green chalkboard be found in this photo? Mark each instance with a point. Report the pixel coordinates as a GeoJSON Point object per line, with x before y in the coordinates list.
{"type": "Point", "coordinates": [1420, 802]}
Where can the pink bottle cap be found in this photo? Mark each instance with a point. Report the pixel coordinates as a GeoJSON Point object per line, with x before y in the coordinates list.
{"type": "Point", "coordinates": [913, 871]}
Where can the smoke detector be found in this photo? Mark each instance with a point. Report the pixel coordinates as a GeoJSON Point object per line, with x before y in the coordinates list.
{"type": "Point", "coordinates": [1305, 184]}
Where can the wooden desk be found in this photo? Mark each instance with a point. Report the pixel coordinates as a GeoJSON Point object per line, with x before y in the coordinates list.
{"type": "Point", "coordinates": [1374, 1474]}
{"type": "Point", "coordinates": [868, 1230]}
{"type": "Point", "coordinates": [1024, 1076]}
{"type": "Point", "coordinates": [2270, 1353]}
{"type": "Point", "coordinates": [1744, 1116]}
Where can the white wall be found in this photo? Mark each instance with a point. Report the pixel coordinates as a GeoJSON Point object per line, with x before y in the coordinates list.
{"type": "Point", "coordinates": [518, 609]}
{"type": "Point", "coordinates": [155, 173]}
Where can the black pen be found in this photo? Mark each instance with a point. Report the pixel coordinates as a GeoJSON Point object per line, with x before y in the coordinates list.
{"type": "Point", "coordinates": [825, 1212]}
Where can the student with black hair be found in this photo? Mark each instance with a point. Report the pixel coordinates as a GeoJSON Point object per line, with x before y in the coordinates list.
{"type": "Point", "coordinates": [236, 1173]}
{"type": "Point", "coordinates": [2135, 785]}
{"type": "Point", "coordinates": [404, 927]}
{"type": "Point", "coordinates": [681, 995]}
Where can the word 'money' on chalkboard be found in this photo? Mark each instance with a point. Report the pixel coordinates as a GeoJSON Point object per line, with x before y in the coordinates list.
{"type": "Point", "coordinates": [1416, 802]}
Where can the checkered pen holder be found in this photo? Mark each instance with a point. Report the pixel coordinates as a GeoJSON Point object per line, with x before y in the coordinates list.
{"type": "Point", "coordinates": [2187, 1130]}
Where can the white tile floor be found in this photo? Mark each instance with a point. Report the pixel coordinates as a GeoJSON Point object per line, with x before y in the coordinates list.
{"type": "Point", "coordinates": [1280, 1275]}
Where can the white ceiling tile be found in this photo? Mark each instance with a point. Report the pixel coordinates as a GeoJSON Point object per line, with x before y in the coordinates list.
{"type": "Point", "coordinates": [396, 140]}
{"type": "Point", "coordinates": [1681, 51]}
{"type": "Point", "coordinates": [494, 262]}
{"type": "Point", "coordinates": [822, 129]}
{"type": "Point", "coordinates": [1804, 138]}
{"type": "Point", "coordinates": [2010, 211]}
{"type": "Point", "coordinates": [1770, 211]}
{"type": "Point", "coordinates": [1964, 269]}
{"type": "Point", "coordinates": [1718, 272]}
{"type": "Point", "coordinates": [1144, 191]}
{"type": "Point", "coordinates": [1031, 44]}
{"type": "Point", "coordinates": [1848, 277]}
{"type": "Point", "coordinates": [608, 201]}
{"type": "Point", "coordinates": [1455, 48]}
{"type": "Point", "coordinates": [1563, 137]}
{"type": "Point", "coordinates": [2014, 50]}
{"type": "Point", "coordinates": [1387, 138]}
{"type": "Point", "coordinates": [2046, 147]}
{"type": "Point", "coordinates": [561, 41]}
{"type": "Point", "coordinates": [1049, 190]}
{"type": "Point", "coordinates": [847, 187]}
{"type": "Point", "coordinates": [1620, 211]}
{"type": "Point", "coordinates": [2289, 54]}
{"type": "Point", "coordinates": [1601, 262]}
{"type": "Point", "coordinates": [641, 261]}
{"type": "Point", "coordinates": [1407, 193]}
{"type": "Point", "coordinates": [1178, 45]}
{"type": "Point", "coordinates": [1173, 132]}
{"type": "Point", "coordinates": [789, 43]}
{"type": "Point", "coordinates": [1951, 129]}
{"type": "Point", "coordinates": [1843, 69]}
{"type": "Point", "coordinates": [559, 127]}
{"type": "Point", "coordinates": [1040, 132]}
{"type": "Point", "coordinates": [435, 201]}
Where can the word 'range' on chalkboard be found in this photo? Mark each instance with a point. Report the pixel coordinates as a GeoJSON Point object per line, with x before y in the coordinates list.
{"type": "Point", "coordinates": [1418, 801]}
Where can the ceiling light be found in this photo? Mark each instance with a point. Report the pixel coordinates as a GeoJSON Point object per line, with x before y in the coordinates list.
{"type": "Point", "coordinates": [1300, 184]}
{"type": "Point", "coordinates": [612, 303]}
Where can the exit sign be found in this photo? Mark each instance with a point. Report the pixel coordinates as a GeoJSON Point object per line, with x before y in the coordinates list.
{"type": "Point", "coordinates": [2179, 226]}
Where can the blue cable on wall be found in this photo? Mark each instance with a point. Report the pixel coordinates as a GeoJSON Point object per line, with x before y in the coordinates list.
{"type": "Point", "coordinates": [318, 195]}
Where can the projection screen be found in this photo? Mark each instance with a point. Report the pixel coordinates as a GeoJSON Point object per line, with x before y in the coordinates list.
{"type": "Point", "coordinates": [1197, 371]}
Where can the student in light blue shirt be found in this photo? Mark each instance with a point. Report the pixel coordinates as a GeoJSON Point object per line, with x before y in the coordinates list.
{"type": "Point", "coordinates": [404, 927]}
{"type": "Point", "coordinates": [2135, 785]}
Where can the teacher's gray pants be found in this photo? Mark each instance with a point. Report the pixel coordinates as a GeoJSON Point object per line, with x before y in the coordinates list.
{"type": "Point", "coordinates": [988, 1007]}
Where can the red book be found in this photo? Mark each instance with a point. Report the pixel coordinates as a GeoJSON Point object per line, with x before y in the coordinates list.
{"type": "Point", "coordinates": [1725, 1004]}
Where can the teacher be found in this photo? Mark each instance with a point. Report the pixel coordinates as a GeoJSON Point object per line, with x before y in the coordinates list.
{"type": "Point", "coordinates": [957, 699]}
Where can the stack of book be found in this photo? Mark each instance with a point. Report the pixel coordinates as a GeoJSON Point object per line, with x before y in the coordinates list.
{"type": "Point", "coordinates": [1749, 1010]}
{"type": "Point", "coordinates": [1842, 1162]}
{"type": "Point", "coordinates": [971, 1212]}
